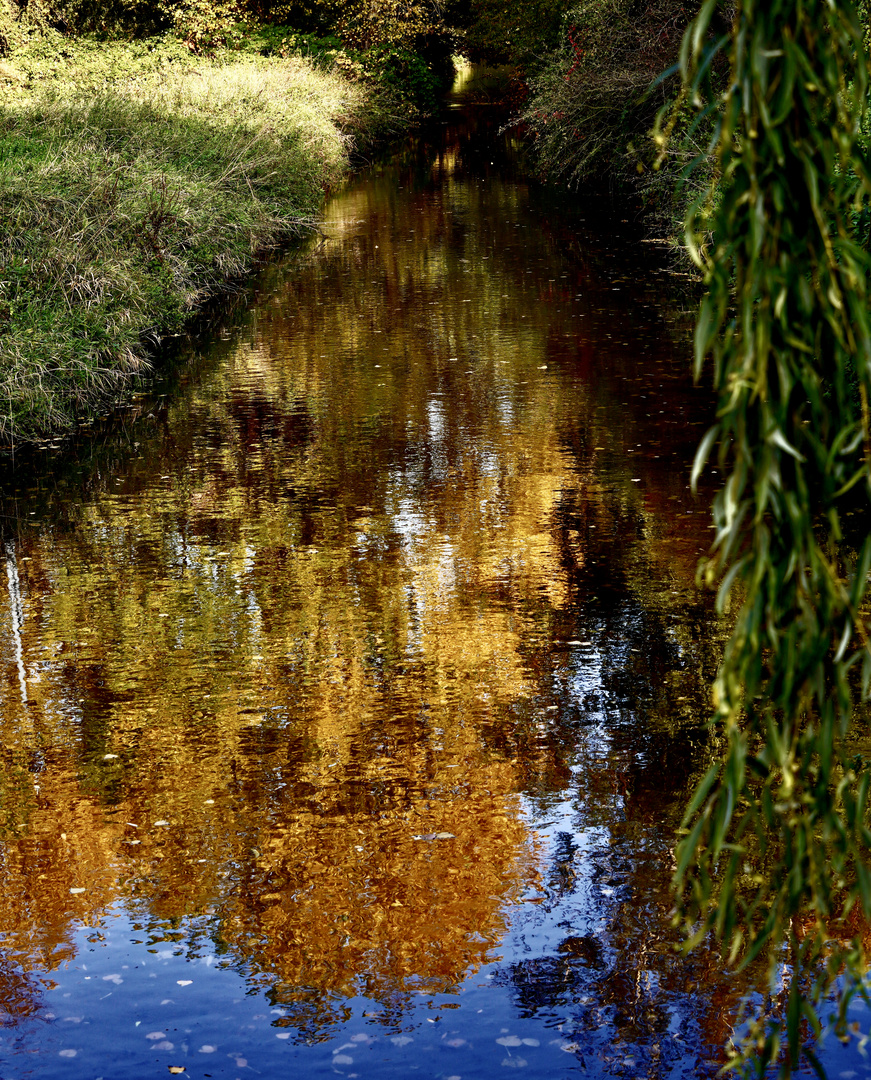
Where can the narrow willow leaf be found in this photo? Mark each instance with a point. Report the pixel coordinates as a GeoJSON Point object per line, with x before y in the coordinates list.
{"type": "Point", "coordinates": [857, 476]}
{"type": "Point", "coordinates": [686, 850]}
{"type": "Point", "coordinates": [863, 876]}
{"type": "Point", "coordinates": [728, 581]}
{"type": "Point", "coordinates": [776, 436]}
{"type": "Point", "coordinates": [703, 453]}
{"type": "Point", "coordinates": [860, 574]}
{"type": "Point", "coordinates": [701, 793]}
{"type": "Point", "coordinates": [699, 29]}
{"type": "Point", "coordinates": [704, 333]}
{"type": "Point", "coordinates": [862, 796]}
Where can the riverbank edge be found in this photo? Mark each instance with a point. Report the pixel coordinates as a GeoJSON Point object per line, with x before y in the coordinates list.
{"type": "Point", "coordinates": [137, 182]}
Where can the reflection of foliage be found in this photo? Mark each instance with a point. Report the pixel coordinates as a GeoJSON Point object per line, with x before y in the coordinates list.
{"type": "Point", "coordinates": [291, 666]}
{"type": "Point", "coordinates": [353, 903]}
{"type": "Point", "coordinates": [778, 852]}
{"type": "Point", "coordinates": [20, 993]}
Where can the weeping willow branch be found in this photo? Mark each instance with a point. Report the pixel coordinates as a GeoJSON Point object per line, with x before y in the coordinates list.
{"type": "Point", "coordinates": [776, 855]}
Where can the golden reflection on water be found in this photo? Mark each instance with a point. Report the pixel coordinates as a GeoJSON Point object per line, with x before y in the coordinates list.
{"type": "Point", "coordinates": [269, 661]}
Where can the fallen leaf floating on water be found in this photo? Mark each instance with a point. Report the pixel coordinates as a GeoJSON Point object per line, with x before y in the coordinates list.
{"type": "Point", "coordinates": [177, 1069]}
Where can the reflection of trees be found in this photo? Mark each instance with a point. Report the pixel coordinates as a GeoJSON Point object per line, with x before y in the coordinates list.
{"type": "Point", "coordinates": [631, 1002]}
{"type": "Point", "coordinates": [329, 609]}
{"type": "Point", "coordinates": [20, 993]}
{"type": "Point", "coordinates": [361, 907]}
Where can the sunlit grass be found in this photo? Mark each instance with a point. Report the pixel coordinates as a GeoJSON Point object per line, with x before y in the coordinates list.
{"type": "Point", "coordinates": [124, 202]}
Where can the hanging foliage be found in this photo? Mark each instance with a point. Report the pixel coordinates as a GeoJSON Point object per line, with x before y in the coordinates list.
{"type": "Point", "coordinates": [776, 859]}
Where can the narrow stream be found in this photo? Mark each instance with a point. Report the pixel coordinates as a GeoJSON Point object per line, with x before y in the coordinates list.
{"type": "Point", "coordinates": [352, 692]}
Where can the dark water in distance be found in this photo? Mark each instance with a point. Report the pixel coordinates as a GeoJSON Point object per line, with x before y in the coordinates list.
{"type": "Point", "coordinates": [351, 694]}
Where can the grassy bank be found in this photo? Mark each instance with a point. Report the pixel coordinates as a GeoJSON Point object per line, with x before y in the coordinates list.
{"type": "Point", "coordinates": [135, 181]}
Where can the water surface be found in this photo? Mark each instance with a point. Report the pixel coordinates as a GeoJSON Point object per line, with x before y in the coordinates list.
{"type": "Point", "coordinates": [351, 692]}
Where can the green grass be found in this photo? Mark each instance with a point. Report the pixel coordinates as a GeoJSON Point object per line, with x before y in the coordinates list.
{"type": "Point", "coordinates": [135, 181]}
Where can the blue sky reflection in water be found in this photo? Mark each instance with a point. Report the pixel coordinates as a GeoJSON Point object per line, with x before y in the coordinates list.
{"type": "Point", "coordinates": [351, 688]}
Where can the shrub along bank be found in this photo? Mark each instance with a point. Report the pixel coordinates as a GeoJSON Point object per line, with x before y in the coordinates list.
{"type": "Point", "coordinates": [137, 179]}
{"type": "Point", "coordinates": [594, 102]}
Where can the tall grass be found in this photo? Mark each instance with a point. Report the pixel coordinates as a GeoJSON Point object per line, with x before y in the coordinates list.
{"type": "Point", "coordinates": [124, 202]}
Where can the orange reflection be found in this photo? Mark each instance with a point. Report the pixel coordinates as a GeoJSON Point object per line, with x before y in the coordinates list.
{"type": "Point", "coordinates": [279, 658]}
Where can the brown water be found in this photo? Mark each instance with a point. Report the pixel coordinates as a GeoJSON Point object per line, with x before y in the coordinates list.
{"type": "Point", "coordinates": [352, 688]}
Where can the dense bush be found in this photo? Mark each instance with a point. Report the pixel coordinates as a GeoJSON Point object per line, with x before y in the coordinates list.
{"type": "Point", "coordinates": [405, 44]}
{"type": "Point", "coordinates": [404, 47]}
{"type": "Point", "coordinates": [413, 79]}
{"type": "Point", "coordinates": [493, 31]}
{"type": "Point", "coordinates": [202, 24]}
{"type": "Point", "coordinates": [364, 23]}
{"type": "Point", "coordinates": [594, 103]}
{"type": "Point", "coordinates": [590, 110]}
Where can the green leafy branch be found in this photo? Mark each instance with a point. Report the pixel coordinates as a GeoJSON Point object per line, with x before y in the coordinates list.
{"type": "Point", "coordinates": [775, 856]}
